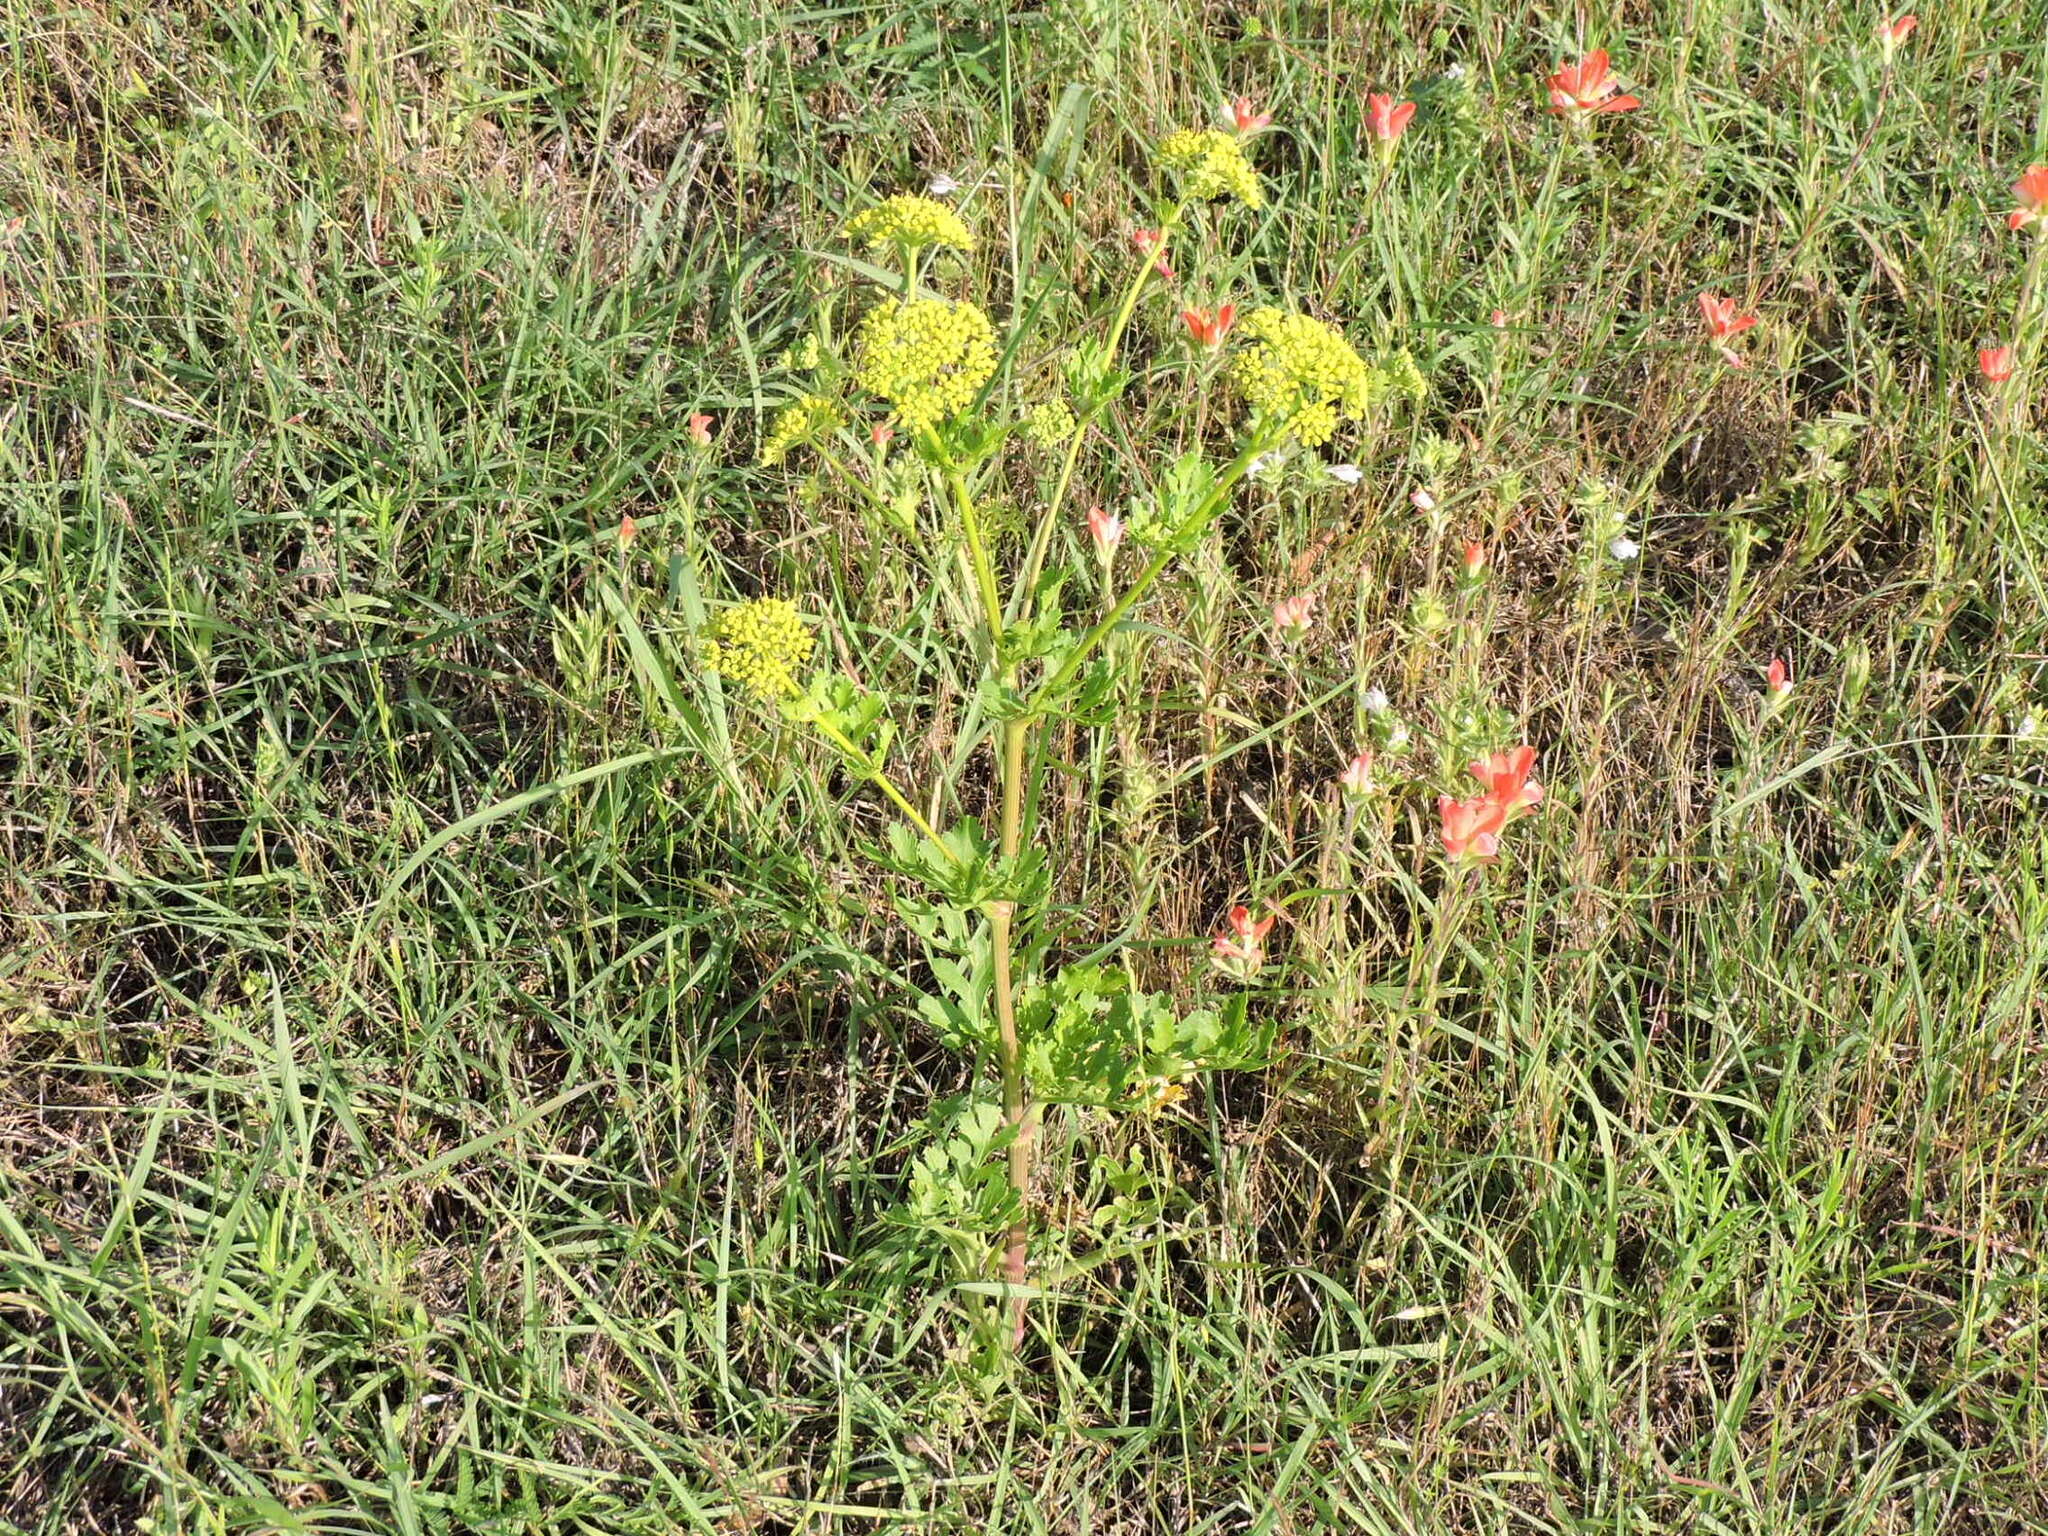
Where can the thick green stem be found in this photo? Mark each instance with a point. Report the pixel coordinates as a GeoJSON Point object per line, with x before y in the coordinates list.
{"type": "Point", "coordinates": [1014, 760]}
{"type": "Point", "coordinates": [1003, 914]}
{"type": "Point", "coordinates": [1016, 1099]}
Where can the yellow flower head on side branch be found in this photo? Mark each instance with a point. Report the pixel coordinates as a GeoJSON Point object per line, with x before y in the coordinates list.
{"type": "Point", "coordinates": [760, 646]}
{"type": "Point", "coordinates": [1302, 371]}
{"type": "Point", "coordinates": [810, 418]}
{"type": "Point", "coordinates": [1211, 164]}
{"type": "Point", "coordinates": [909, 220]}
{"type": "Point", "coordinates": [927, 357]}
{"type": "Point", "coordinates": [1050, 424]}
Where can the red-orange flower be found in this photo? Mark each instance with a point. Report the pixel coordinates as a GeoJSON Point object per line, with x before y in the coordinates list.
{"type": "Point", "coordinates": [1475, 560]}
{"type": "Point", "coordinates": [1722, 320]}
{"type": "Point", "coordinates": [1896, 31]}
{"type": "Point", "coordinates": [1995, 363]}
{"type": "Point", "coordinates": [1471, 828]}
{"type": "Point", "coordinates": [1152, 242]}
{"type": "Point", "coordinates": [1507, 781]}
{"type": "Point", "coordinates": [700, 430]}
{"type": "Point", "coordinates": [1209, 329]}
{"type": "Point", "coordinates": [1779, 677]}
{"type": "Point", "coordinates": [1292, 616]}
{"type": "Point", "coordinates": [2032, 191]}
{"type": "Point", "coordinates": [628, 531]}
{"type": "Point", "coordinates": [1245, 116]}
{"type": "Point", "coordinates": [1107, 530]}
{"type": "Point", "coordinates": [1588, 86]}
{"type": "Point", "coordinates": [1722, 323]}
{"type": "Point", "coordinates": [1387, 120]}
{"type": "Point", "coordinates": [1241, 948]}
{"type": "Point", "coordinates": [1357, 779]}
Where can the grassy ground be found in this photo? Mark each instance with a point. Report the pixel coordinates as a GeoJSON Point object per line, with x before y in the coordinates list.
{"type": "Point", "coordinates": [549, 1176]}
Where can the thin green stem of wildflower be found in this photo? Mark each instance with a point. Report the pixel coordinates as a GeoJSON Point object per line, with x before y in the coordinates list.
{"type": "Point", "coordinates": [2027, 336]}
{"type": "Point", "coordinates": [1142, 582]}
{"type": "Point", "coordinates": [866, 492]}
{"type": "Point", "coordinates": [1848, 177]}
{"type": "Point", "coordinates": [888, 787]}
{"type": "Point", "coordinates": [977, 553]}
{"type": "Point", "coordinates": [1546, 199]}
{"type": "Point", "coordinates": [1041, 539]}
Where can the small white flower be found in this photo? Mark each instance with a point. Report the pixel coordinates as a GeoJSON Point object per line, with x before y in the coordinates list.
{"type": "Point", "coordinates": [1375, 701]}
{"type": "Point", "coordinates": [1422, 501]}
{"type": "Point", "coordinates": [1397, 735]}
{"type": "Point", "coordinates": [1346, 474]}
{"type": "Point", "coordinates": [942, 185]}
{"type": "Point", "coordinates": [1455, 72]}
{"type": "Point", "coordinates": [1260, 465]}
{"type": "Point", "coordinates": [1624, 549]}
{"type": "Point", "coordinates": [2028, 725]}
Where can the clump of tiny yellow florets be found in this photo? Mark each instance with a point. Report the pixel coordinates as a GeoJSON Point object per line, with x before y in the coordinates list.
{"type": "Point", "coordinates": [928, 358]}
{"type": "Point", "coordinates": [759, 645]}
{"type": "Point", "coordinates": [1401, 376]}
{"type": "Point", "coordinates": [1303, 371]}
{"type": "Point", "coordinates": [910, 220]}
{"type": "Point", "coordinates": [1211, 164]}
{"type": "Point", "coordinates": [1050, 425]}
{"type": "Point", "coordinates": [812, 416]}
{"type": "Point", "coordinates": [804, 356]}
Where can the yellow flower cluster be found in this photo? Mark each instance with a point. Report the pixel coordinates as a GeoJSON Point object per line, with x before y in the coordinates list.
{"type": "Point", "coordinates": [1050, 425]}
{"type": "Point", "coordinates": [1211, 163]}
{"type": "Point", "coordinates": [760, 645]}
{"type": "Point", "coordinates": [812, 416]}
{"type": "Point", "coordinates": [928, 358]}
{"type": "Point", "coordinates": [804, 356]}
{"type": "Point", "coordinates": [1402, 376]}
{"type": "Point", "coordinates": [1156, 1093]}
{"type": "Point", "coordinates": [1302, 370]}
{"type": "Point", "coordinates": [910, 220]}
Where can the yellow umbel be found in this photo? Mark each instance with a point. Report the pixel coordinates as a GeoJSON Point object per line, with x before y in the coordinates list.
{"type": "Point", "coordinates": [928, 358]}
{"type": "Point", "coordinates": [760, 645]}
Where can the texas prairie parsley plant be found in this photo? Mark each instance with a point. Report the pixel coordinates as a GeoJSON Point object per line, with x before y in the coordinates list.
{"type": "Point", "coordinates": [921, 385]}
